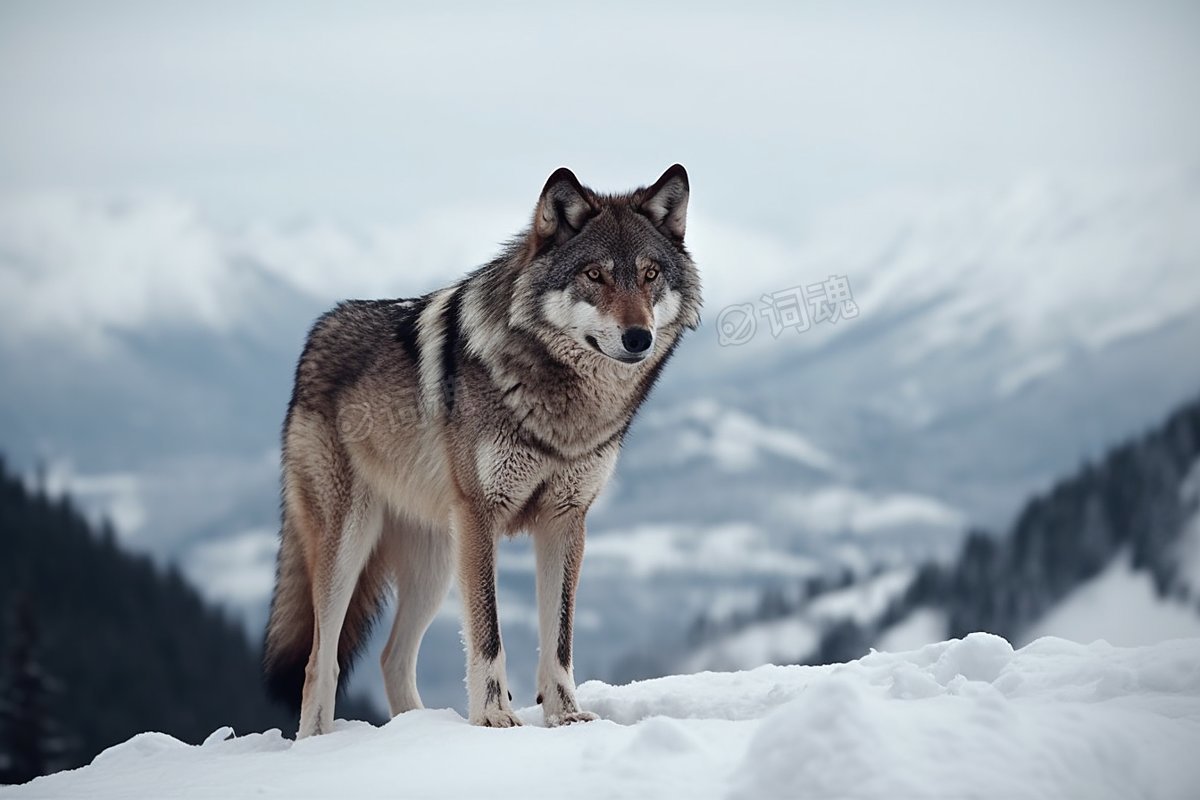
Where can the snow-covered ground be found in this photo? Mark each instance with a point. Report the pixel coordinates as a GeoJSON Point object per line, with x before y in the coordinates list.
{"type": "Point", "coordinates": [964, 718]}
{"type": "Point", "coordinates": [1121, 606]}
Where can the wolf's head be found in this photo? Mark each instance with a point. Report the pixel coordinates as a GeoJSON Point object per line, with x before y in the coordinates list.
{"type": "Point", "coordinates": [611, 271]}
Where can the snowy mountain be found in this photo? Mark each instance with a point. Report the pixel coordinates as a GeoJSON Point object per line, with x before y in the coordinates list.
{"type": "Point", "coordinates": [1109, 553]}
{"type": "Point", "coordinates": [963, 718]}
{"type": "Point", "coordinates": [147, 353]}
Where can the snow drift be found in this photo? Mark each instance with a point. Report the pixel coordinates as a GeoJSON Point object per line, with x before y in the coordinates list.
{"type": "Point", "coordinates": [968, 717]}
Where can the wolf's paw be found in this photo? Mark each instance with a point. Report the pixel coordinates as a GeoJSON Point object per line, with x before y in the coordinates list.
{"type": "Point", "coordinates": [497, 718]}
{"type": "Point", "coordinates": [569, 718]}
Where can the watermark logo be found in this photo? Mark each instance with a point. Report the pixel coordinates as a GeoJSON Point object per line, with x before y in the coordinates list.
{"type": "Point", "coordinates": [736, 325]}
{"type": "Point", "coordinates": [357, 422]}
{"type": "Point", "coordinates": [797, 308]}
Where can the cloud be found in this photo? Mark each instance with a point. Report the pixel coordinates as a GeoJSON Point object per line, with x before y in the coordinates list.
{"type": "Point", "coordinates": [115, 497]}
{"type": "Point", "coordinates": [837, 510]}
{"type": "Point", "coordinates": [76, 266]}
{"type": "Point", "coordinates": [80, 268]}
{"type": "Point", "coordinates": [732, 550]}
{"type": "Point", "coordinates": [237, 569]}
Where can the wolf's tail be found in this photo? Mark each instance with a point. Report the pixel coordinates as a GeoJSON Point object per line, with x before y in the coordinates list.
{"type": "Point", "coordinates": [290, 627]}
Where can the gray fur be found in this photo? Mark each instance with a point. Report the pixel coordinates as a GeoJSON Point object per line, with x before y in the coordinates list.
{"type": "Point", "coordinates": [420, 431]}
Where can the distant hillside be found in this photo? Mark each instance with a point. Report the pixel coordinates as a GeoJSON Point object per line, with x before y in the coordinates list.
{"type": "Point", "coordinates": [1138, 500]}
{"type": "Point", "coordinates": [1140, 503]}
{"type": "Point", "coordinates": [97, 645]}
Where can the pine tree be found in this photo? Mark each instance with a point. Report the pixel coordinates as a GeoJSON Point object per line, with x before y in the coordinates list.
{"type": "Point", "coordinates": [30, 744]}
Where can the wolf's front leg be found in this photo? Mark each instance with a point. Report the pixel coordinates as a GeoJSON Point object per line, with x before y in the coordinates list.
{"type": "Point", "coordinates": [488, 700]}
{"type": "Point", "coordinates": [559, 547]}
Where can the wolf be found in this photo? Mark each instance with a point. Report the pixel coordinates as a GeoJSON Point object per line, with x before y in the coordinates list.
{"type": "Point", "coordinates": [421, 431]}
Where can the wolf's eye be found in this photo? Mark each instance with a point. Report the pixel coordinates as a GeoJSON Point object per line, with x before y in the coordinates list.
{"type": "Point", "coordinates": [594, 275]}
{"type": "Point", "coordinates": [651, 274]}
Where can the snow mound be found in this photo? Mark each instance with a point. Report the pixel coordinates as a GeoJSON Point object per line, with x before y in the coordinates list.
{"type": "Point", "coordinates": [968, 717]}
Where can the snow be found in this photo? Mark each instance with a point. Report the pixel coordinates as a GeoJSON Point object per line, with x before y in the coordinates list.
{"type": "Point", "coordinates": [865, 600]}
{"type": "Point", "coordinates": [787, 640]}
{"type": "Point", "coordinates": [1121, 607]}
{"type": "Point", "coordinates": [733, 549]}
{"type": "Point", "coordinates": [832, 510]}
{"type": "Point", "coordinates": [102, 258]}
{"type": "Point", "coordinates": [960, 718]}
{"type": "Point", "coordinates": [736, 441]}
{"type": "Point", "coordinates": [1188, 547]}
{"type": "Point", "coordinates": [797, 636]}
{"type": "Point", "coordinates": [921, 627]}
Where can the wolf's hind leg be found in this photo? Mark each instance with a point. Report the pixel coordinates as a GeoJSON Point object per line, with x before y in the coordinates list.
{"type": "Point", "coordinates": [420, 560]}
{"type": "Point", "coordinates": [339, 562]}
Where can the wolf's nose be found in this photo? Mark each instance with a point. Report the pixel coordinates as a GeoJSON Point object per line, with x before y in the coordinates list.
{"type": "Point", "coordinates": [637, 340]}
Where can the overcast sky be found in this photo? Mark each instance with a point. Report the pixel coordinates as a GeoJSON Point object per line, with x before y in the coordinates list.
{"type": "Point", "coordinates": [367, 112]}
{"type": "Point", "coordinates": [812, 132]}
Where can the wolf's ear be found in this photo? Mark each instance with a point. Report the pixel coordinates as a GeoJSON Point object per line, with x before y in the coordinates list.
{"type": "Point", "coordinates": [665, 203]}
{"type": "Point", "coordinates": [562, 209]}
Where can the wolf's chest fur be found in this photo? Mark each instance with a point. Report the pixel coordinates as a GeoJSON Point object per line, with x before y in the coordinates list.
{"type": "Point", "coordinates": [548, 425]}
{"type": "Point", "coordinates": [568, 408]}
